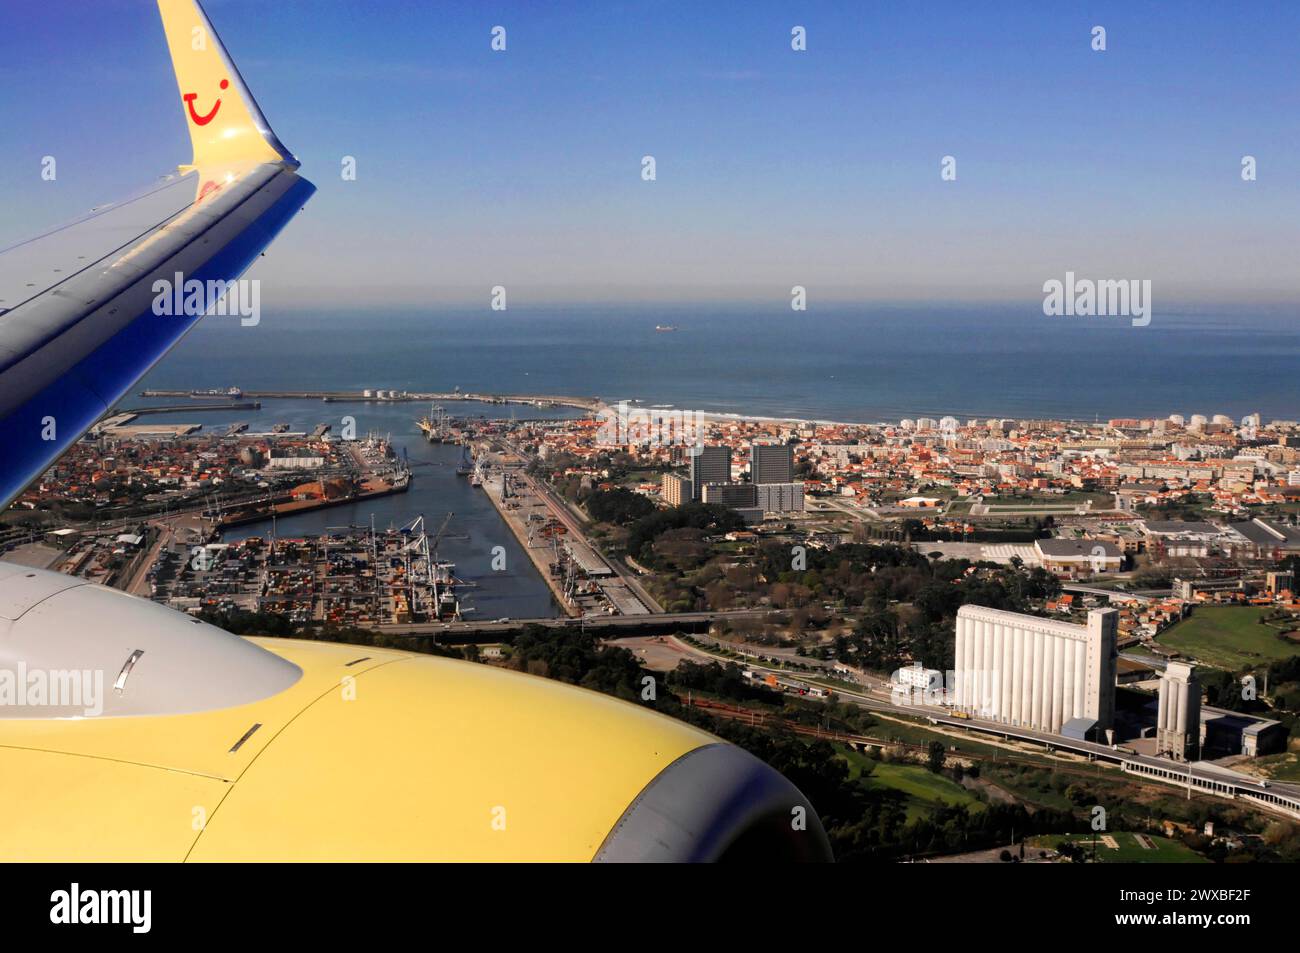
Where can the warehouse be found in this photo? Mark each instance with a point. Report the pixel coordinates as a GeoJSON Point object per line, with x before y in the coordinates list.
{"type": "Point", "coordinates": [1029, 672]}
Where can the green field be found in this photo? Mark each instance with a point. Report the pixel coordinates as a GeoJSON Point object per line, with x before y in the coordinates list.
{"type": "Point", "coordinates": [1130, 851]}
{"type": "Point", "coordinates": [1280, 767]}
{"type": "Point", "coordinates": [1050, 500]}
{"type": "Point", "coordinates": [924, 788]}
{"type": "Point", "coordinates": [1140, 650]}
{"type": "Point", "coordinates": [1228, 637]}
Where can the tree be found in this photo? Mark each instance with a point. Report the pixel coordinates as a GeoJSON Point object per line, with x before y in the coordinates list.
{"type": "Point", "coordinates": [935, 756]}
{"type": "Point", "coordinates": [619, 505]}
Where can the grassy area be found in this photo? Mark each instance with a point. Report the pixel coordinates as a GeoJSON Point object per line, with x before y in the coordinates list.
{"type": "Point", "coordinates": [1139, 650]}
{"type": "Point", "coordinates": [917, 734]}
{"type": "Point", "coordinates": [924, 789]}
{"type": "Point", "coordinates": [1073, 498]}
{"type": "Point", "coordinates": [1129, 849]}
{"type": "Point", "coordinates": [1228, 637]}
{"type": "Point", "coordinates": [1280, 767]}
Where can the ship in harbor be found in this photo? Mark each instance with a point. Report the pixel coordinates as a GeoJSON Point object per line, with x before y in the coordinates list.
{"type": "Point", "coordinates": [437, 575]}
{"type": "Point", "coordinates": [220, 393]}
{"type": "Point", "coordinates": [466, 465]}
{"type": "Point", "coordinates": [377, 471]}
{"type": "Point", "coordinates": [316, 495]}
{"type": "Point", "coordinates": [437, 425]}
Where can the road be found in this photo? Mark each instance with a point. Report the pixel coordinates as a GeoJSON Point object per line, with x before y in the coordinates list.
{"type": "Point", "coordinates": [861, 513]}
{"type": "Point", "coordinates": [1104, 593]}
{"type": "Point", "coordinates": [649, 623]}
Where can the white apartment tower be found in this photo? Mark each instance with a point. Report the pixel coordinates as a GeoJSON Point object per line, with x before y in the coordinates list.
{"type": "Point", "coordinates": [1028, 672]}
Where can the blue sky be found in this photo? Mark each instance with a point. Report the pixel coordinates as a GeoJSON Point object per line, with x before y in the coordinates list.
{"type": "Point", "coordinates": [775, 168]}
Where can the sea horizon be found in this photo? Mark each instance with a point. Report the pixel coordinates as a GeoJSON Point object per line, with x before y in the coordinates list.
{"type": "Point", "coordinates": [842, 363]}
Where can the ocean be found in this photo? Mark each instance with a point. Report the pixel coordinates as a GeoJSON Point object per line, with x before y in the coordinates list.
{"type": "Point", "coordinates": [833, 363]}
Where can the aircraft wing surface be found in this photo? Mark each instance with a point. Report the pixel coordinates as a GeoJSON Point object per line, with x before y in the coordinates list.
{"type": "Point", "coordinates": [87, 309]}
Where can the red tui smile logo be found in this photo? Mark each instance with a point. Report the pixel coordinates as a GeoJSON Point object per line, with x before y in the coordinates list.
{"type": "Point", "coordinates": [203, 120]}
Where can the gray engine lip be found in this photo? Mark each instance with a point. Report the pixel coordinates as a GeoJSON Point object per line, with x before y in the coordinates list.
{"type": "Point", "coordinates": [697, 807]}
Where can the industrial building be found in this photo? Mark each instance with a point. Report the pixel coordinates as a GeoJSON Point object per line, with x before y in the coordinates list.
{"type": "Point", "coordinates": [1078, 557]}
{"type": "Point", "coordinates": [1269, 538]}
{"type": "Point", "coordinates": [1178, 724]}
{"type": "Point", "coordinates": [293, 459]}
{"type": "Point", "coordinates": [1226, 733]}
{"type": "Point", "coordinates": [917, 682]}
{"type": "Point", "coordinates": [709, 465]}
{"type": "Point", "coordinates": [1029, 672]}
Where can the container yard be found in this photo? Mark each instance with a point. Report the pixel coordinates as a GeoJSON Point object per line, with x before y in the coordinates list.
{"type": "Point", "coordinates": [347, 576]}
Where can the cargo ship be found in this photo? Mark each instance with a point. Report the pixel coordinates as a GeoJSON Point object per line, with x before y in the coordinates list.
{"type": "Point", "coordinates": [318, 495]}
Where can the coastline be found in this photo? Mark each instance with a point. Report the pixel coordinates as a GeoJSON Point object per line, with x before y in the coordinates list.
{"type": "Point", "coordinates": [598, 406]}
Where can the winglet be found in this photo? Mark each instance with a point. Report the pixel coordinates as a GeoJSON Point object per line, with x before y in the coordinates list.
{"type": "Point", "coordinates": [226, 126]}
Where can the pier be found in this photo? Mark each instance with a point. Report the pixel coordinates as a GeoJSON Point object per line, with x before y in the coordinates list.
{"type": "Point", "coordinates": [383, 396]}
{"type": "Point", "coordinates": [539, 551]}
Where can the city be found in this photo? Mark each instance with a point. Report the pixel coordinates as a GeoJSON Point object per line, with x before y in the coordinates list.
{"type": "Point", "coordinates": [1143, 544]}
{"type": "Point", "coordinates": [651, 433]}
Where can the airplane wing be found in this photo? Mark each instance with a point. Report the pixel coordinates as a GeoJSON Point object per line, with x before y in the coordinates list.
{"type": "Point", "coordinates": [87, 309]}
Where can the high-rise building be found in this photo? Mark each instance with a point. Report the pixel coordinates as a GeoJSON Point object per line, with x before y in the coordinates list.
{"type": "Point", "coordinates": [780, 497]}
{"type": "Point", "coordinates": [771, 463]}
{"type": "Point", "coordinates": [1279, 581]}
{"type": "Point", "coordinates": [1036, 673]}
{"type": "Point", "coordinates": [734, 495]}
{"type": "Point", "coordinates": [1178, 724]}
{"type": "Point", "coordinates": [676, 489]}
{"type": "Point", "coordinates": [709, 465]}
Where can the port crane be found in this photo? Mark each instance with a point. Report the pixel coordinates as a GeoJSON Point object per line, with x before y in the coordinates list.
{"type": "Point", "coordinates": [436, 425]}
{"type": "Point", "coordinates": [444, 599]}
{"type": "Point", "coordinates": [416, 564]}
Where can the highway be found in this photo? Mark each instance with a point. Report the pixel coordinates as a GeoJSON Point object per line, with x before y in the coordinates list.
{"type": "Point", "coordinates": [650, 623]}
{"type": "Point", "coordinates": [1104, 593]}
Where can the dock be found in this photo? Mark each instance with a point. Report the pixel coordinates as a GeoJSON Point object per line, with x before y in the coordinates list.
{"type": "Point", "coordinates": [539, 550]}
{"type": "Point", "coordinates": [384, 396]}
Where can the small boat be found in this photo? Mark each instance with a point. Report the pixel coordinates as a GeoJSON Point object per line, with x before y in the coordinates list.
{"type": "Point", "coordinates": [665, 327]}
